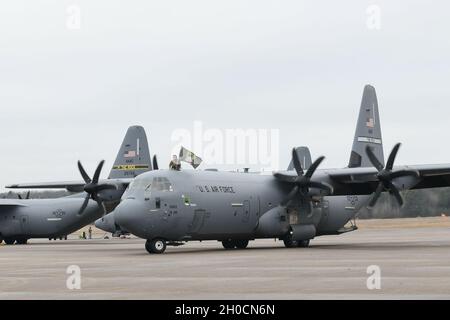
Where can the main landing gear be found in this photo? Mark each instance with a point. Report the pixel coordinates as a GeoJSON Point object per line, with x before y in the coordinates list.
{"type": "Point", "coordinates": [291, 243]}
{"type": "Point", "coordinates": [21, 241]}
{"type": "Point", "coordinates": [156, 246]}
{"type": "Point", "coordinates": [231, 244]}
{"type": "Point", "coordinates": [11, 241]}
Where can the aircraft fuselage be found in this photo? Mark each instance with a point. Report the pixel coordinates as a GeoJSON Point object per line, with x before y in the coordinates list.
{"type": "Point", "coordinates": [45, 218]}
{"type": "Point", "coordinates": [202, 205]}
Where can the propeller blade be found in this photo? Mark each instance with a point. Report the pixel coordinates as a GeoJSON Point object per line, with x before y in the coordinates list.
{"type": "Point", "coordinates": [314, 166]}
{"type": "Point", "coordinates": [296, 162]}
{"type": "Point", "coordinates": [322, 186]}
{"type": "Point", "coordinates": [85, 176]}
{"type": "Point", "coordinates": [28, 195]}
{"type": "Point", "coordinates": [396, 193]}
{"type": "Point", "coordinates": [373, 159]}
{"type": "Point", "coordinates": [293, 193]}
{"type": "Point", "coordinates": [19, 196]}
{"type": "Point", "coordinates": [99, 203]}
{"type": "Point", "coordinates": [285, 177]}
{"type": "Point", "coordinates": [85, 203]}
{"type": "Point", "coordinates": [376, 196]}
{"type": "Point", "coordinates": [405, 173]}
{"type": "Point", "coordinates": [101, 187]}
{"type": "Point", "coordinates": [155, 163]}
{"type": "Point", "coordinates": [98, 171]}
{"type": "Point", "coordinates": [392, 156]}
{"type": "Point", "coordinates": [397, 196]}
{"type": "Point", "coordinates": [290, 196]}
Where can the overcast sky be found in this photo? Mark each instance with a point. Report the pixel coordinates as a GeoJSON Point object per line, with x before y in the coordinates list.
{"type": "Point", "coordinates": [297, 66]}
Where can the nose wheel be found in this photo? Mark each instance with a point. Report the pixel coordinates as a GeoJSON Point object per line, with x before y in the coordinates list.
{"type": "Point", "coordinates": [22, 241]}
{"type": "Point", "coordinates": [156, 246]}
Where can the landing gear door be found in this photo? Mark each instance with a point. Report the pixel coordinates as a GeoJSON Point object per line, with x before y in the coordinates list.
{"type": "Point", "coordinates": [24, 224]}
{"type": "Point", "coordinates": [197, 221]}
{"type": "Point", "coordinates": [246, 211]}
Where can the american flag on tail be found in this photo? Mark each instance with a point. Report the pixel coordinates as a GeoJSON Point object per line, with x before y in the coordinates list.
{"type": "Point", "coordinates": [130, 154]}
{"type": "Point", "coordinates": [370, 123]}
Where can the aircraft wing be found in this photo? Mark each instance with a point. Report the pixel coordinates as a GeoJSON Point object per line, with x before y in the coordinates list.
{"type": "Point", "coordinates": [361, 181]}
{"type": "Point", "coordinates": [74, 186]}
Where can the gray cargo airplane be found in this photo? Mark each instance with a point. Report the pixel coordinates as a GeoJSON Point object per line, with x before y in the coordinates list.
{"type": "Point", "coordinates": [108, 223]}
{"type": "Point", "coordinates": [21, 220]}
{"type": "Point", "coordinates": [171, 207]}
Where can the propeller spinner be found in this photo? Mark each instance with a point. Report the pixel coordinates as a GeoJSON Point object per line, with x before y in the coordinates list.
{"type": "Point", "coordinates": [386, 175]}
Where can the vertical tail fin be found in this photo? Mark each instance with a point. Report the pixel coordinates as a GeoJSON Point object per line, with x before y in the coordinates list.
{"type": "Point", "coordinates": [368, 131]}
{"type": "Point", "coordinates": [134, 155]}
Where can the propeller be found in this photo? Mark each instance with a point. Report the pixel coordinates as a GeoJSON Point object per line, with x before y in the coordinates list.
{"type": "Point", "coordinates": [155, 163]}
{"type": "Point", "coordinates": [26, 197]}
{"type": "Point", "coordinates": [386, 175]}
{"type": "Point", "coordinates": [303, 182]}
{"type": "Point", "coordinates": [92, 187]}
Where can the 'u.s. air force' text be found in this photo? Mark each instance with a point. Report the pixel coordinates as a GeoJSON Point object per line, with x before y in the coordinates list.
{"type": "Point", "coordinates": [222, 189]}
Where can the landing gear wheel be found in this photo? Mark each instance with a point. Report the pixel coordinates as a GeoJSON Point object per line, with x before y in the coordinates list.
{"type": "Point", "coordinates": [241, 244]}
{"type": "Point", "coordinates": [22, 241]}
{"type": "Point", "coordinates": [289, 242]}
{"type": "Point", "coordinates": [228, 244]}
{"type": "Point", "coordinates": [10, 241]}
{"type": "Point", "coordinates": [303, 243]}
{"type": "Point", "coordinates": [155, 246]}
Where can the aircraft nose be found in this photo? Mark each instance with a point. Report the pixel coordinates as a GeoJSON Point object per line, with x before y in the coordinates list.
{"type": "Point", "coordinates": [129, 215]}
{"type": "Point", "coordinates": [106, 223]}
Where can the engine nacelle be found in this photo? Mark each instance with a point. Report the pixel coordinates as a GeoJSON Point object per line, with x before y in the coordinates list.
{"type": "Point", "coordinates": [273, 223]}
{"type": "Point", "coordinates": [303, 232]}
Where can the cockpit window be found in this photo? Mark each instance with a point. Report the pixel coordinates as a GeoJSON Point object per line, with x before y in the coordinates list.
{"type": "Point", "coordinates": [138, 184]}
{"type": "Point", "coordinates": [161, 184]}
{"type": "Point", "coordinates": [135, 185]}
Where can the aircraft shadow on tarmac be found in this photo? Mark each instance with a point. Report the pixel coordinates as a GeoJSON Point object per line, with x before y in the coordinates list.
{"type": "Point", "coordinates": [406, 245]}
{"type": "Point", "coordinates": [335, 247]}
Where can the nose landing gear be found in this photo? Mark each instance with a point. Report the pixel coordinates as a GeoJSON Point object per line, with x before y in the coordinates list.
{"type": "Point", "coordinates": [156, 246]}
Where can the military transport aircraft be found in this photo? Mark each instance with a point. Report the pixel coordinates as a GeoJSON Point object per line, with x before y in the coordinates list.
{"type": "Point", "coordinates": [21, 220]}
{"type": "Point", "coordinates": [169, 207]}
{"type": "Point", "coordinates": [108, 223]}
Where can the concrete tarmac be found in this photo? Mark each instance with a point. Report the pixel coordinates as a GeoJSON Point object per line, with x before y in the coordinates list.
{"type": "Point", "coordinates": [414, 264]}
